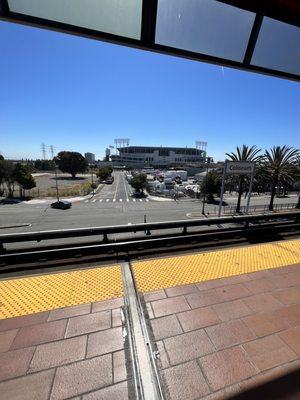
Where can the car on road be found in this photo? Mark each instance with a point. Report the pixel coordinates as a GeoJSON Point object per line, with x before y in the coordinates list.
{"type": "Point", "coordinates": [61, 204]}
{"type": "Point", "coordinates": [139, 195]}
{"type": "Point", "coordinates": [109, 180]}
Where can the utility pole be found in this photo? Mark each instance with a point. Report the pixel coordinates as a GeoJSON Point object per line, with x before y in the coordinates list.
{"type": "Point", "coordinates": [43, 147]}
{"type": "Point", "coordinates": [55, 169]}
{"type": "Point", "coordinates": [204, 194]}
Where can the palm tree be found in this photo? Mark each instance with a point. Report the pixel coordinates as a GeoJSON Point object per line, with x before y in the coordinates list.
{"type": "Point", "coordinates": [298, 178]}
{"type": "Point", "coordinates": [244, 153]}
{"type": "Point", "coordinates": [280, 166]}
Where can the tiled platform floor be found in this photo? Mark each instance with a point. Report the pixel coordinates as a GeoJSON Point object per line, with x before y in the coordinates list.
{"type": "Point", "coordinates": [220, 337]}
{"type": "Point", "coordinates": [69, 353]}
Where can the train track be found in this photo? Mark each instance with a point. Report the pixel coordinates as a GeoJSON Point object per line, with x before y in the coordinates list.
{"type": "Point", "coordinates": [70, 255]}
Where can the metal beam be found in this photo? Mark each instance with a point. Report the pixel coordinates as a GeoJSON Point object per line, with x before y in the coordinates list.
{"type": "Point", "coordinates": [149, 15]}
{"type": "Point", "coordinates": [253, 39]}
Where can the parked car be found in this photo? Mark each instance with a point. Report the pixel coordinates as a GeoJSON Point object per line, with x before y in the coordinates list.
{"type": "Point", "coordinates": [139, 195]}
{"type": "Point", "coordinates": [61, 204]}
{"type": "Point", "coordinates": [109, 180]}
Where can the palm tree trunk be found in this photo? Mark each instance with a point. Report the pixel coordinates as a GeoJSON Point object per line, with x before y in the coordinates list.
{"type": "Point", "coordinates": [273, 192]}
{"type": "Point", "coordinates": [240, 191]}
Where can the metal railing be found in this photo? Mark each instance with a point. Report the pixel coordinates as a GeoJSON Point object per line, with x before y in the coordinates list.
{"type": "Point", "coordinates": [146, 227]}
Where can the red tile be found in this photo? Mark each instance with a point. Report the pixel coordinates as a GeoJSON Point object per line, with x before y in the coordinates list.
{"type": "Point", "coordinates": [58, 353]}
{"type": "Point", "coordinates": [233, 292]}
{"type": "Point", "coordinates": [287, 296]}
{"type": "Point", "coordinates": [185, 381]}
{"type": "Point", "coordinates": [40, 333]}
{"type": "Point", "coordinates": [119, 366]}
{"type": "Point", "coordinates": [155, 295]}
{"type": "Point", "coordinates": [203, 298]}
{"type": "Point", "coordinates": [116, 317]}
{"type": "Point", "coordinates": [88, 323]}
{"type": "Point", "coordinates": [260, 285]}
{"type": "Point", "coordinates": [82, 377]}
{"type": "Point", "coordinates": [229, 334]}
{"type": "Point", "coordinates": [266, 273]}
{"type": "Point", "coordinates": [292, 338]}
{"type": "Point", "coordinates": [107, 304]}
{"type": "Point", "coordinates": [30, 387]}
{"type": "Point", "coordinates": [230, 280]}
{"type": "Point", "coordinates": [6, 339]}
{"type": "Point", "coordinates": [181, 290]}
{"type": "Point", "coordinates": [198, 318]}
{"type": "Point", "coordinates": [169, 306]}
{"type": "Point", "coordinates": [262, 302]}
{"type": "Point", "coordinates": [105, 342]}
{"type": "Point", "coordinates": [18, 322]}
{"type": "Point", "coordinates": [114, 392]}
{"type": "Point", "coordinates": [68, 312]}
{"type": "Point", "coordinates": [291, 314]}
{"type": "Point", "coordinates": [165, 327]}
{"type": "Point", "coordinates": [226, 367]}
{"type": "Point", "coordinates": [286, 280]}
{"type": "Point", "coordinates": [15, 363]}
{"type": "Point", "coordinates": [231, 310]}
{"type": "Point", "coordinates": [263, 324]}
{"type": "Point", "coordinates": [269, 352]}
{"type": "Point", "coordinates": [188, 346]}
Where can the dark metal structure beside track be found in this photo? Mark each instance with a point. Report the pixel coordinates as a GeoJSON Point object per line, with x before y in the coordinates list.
{"type": "Point", "coordinates": [228, 230]}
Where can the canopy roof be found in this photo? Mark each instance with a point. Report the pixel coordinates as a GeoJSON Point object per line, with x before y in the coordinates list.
{"type": "Point", "coordinates": [255, 35]}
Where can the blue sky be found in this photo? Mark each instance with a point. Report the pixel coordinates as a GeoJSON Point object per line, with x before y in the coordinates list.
{"type": "Point", "coordinates": [79, 94]}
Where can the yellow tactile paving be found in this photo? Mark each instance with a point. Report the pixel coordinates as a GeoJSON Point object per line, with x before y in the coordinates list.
{"type": "Point", "coordinates": [173, 271]}
{"type": "Point", "coordinates": [47, 292]}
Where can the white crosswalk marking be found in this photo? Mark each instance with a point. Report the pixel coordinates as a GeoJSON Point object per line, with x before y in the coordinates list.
{"type": "Point", "coordinates": [147, 200]}
{"type": "Point", "coordinates": [100, 201]}
{"type": "Point", "coordinates": [141, 199]}
{"type": "Point", "coordinates": [127, 199]}
{"type": "Point", "coordinates": [93, 201]}
{"type": "Point", "coordinates": [86, 201]}
{"type": "Point", "coordinates": [121, 200]}
{"type": "Point", "coordinates": [133, 199]}
{"type": "Point", "coordinates": [107, 200]}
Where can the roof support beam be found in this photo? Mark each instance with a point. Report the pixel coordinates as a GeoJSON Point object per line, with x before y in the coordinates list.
{"type": "Point", "coordinates": [149, 22]}
{"type": "Point", "coordinates": [253, 38]}
{"type": "Point", "coordinates": [4, 7]}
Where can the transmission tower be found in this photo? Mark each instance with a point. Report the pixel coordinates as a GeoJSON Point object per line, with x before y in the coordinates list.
{"type": "Point", "coordinates": [43, 147]}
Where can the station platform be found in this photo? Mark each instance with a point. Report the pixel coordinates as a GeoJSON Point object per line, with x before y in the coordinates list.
{"type": "Point", "coordinates": [225, 324]}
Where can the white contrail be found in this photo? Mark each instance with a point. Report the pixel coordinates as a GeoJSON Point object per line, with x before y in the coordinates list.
{"type": "Point", "coordinates": [222, 71]}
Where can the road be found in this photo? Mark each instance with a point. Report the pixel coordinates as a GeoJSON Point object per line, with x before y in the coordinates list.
{"type": "Point", "coordinates": [111, 206]}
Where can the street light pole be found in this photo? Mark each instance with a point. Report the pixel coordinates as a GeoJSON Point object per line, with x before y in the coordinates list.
{"type": "Point", "coordinates": [204, 194]}
{"type": "Point", "coordinates": [92, 169]}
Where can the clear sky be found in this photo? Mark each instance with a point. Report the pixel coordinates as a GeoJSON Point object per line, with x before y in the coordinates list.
{"type": "Point", "coordinates": [79, 94]}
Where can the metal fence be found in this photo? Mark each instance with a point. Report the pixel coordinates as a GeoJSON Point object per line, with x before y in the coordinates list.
{"type": "Point", "coordinates": [231, 210]}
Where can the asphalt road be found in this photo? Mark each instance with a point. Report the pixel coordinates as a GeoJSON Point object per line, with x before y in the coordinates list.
{"type": "Point", "coordinates": [112, 205]}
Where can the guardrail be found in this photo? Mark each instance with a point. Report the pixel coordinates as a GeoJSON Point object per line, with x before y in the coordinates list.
{"type": "Point", "coordinates": [146, 227]}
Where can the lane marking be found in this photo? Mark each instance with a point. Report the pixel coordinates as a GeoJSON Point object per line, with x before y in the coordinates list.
{"type": "Point", "coordinates": [147, 200]}
{"type": "Point", "coordinates": [93, 201]}
{"type": "Point", "coordinates": [141, 199]}
{"type": "Point", "coordinates": [107, 200]}
{"type": "Point", "coordinates": [133, 199]}
{"type": "Point", "coordinates": [121, 200]}
{"type": "Point", "coordinates": [86, 201]}
{"type": "Point", "coordinates": [114, 200]}
{"type": "Point", "coordinates": [100, 201]}
{"type": "Point", "coordinates": [127, 199]}
{"type": "Point", "coordinates": [116, 188]}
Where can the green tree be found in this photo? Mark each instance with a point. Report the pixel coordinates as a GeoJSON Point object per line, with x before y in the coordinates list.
{"type": "Point", "coordinates": [129, 168]}
{"type": "Point", "coordinates": [71, 162]}
{"type": "Point", "coordinates": [2, 175]}
{"type": "Point", "coordinates": [298, 178]}
{"type": "Point", "coordinates": [104, 172]}
{"type": "Point", "coordinates": [244, 153]}
{"type": "Point", "coordinates": [9, 176]}
{"type": "Point", "coordinates": [139, 182]}
{"type": "Point", "coordinates": [211, 184]}
{"type": "Point", "coordinates": [22, 175]}
{"type": "Point", "coordinates": [280, 166]}
{"type": "Point", "coordinates": [44, 165]}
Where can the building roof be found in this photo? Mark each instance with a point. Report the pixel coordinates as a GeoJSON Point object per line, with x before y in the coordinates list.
{"type": "Point", "coordinates": [254, 35]}
{"type": "Point", "coordinates": [159, 148]}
